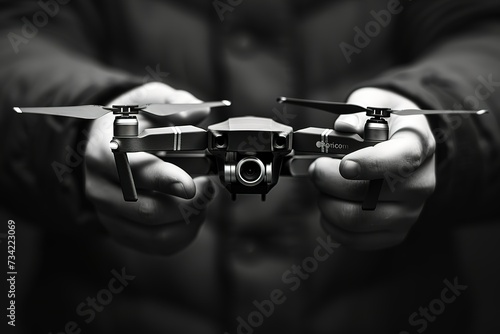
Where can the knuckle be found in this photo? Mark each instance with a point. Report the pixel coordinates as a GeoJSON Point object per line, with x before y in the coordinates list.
{"type": "Point", "coordinates": [413, 159]}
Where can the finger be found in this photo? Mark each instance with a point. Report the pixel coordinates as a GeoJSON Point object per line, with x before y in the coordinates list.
{"type": "Point", "coordinates": [156, 239]}
{"type": "Point", "coordinates": [325, 175]}
{"type": "Point", "coordinates": [354, 123]}
{"type": "Point", "coordinates": [416, 124]}
{"type": "Point", "coordinates": [363, 241]}
{"type": "Point", "coordinates": [405, 151]}
{"type": "Point", "coordinates": [152, 173]}
{"type": "Point", "coordinates": [173, 96]}
{"type": "Point", "coordinates": [188, 118]}
{"type": "Point", "coordinates": [152, 208]}
{"type": "Point", "coordinates": [350, 216]}
{"type": "Point", "coordinates": [396, 188]}
{"type": "Point", "coordinates": [155, 92]}
{"type": "Point", "coordinates": [181, 96]}
{"type": "Point", "coordinates": [412, 185]}
{"type": "Point", "coordinates": [377, 97]}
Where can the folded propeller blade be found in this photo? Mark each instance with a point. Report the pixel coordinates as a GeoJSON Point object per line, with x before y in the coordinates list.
{"type": "Point", "coordinates": [333, 107]}
{"type": "Point", "coordinates": [344, 108]}
{"type": "Point", "coordinates": [409, 112]}
{"type": "Point", "coordinates": [170, 109]}
{"type": "Point", "coordinates": [85, 112]}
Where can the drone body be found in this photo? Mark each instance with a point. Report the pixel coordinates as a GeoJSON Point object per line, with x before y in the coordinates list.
{"type": "Point", "coordinates": [248, 153]}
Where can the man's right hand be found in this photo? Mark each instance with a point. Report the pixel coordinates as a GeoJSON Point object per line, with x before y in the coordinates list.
{"type": "Point", "coordinates": [156, 222]}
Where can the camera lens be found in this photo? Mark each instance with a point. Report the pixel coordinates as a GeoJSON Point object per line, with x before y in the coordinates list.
{"type": "Point", "coordinates": [250, 171]}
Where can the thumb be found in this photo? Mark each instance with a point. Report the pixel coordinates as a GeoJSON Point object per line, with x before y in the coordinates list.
{"type": "Point", "coordinates": [185, 117]}
{"type": "Point", "coordinates": [188, 118]}
{"type": "Point", "coordinates": [206, 191]}
{"type": "Point", "coordinates": [354, 123]}
{"type": "Point", "coordinates": [152, 173]}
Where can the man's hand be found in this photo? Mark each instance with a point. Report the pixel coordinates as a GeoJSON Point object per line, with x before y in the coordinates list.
{"type": "Point", "coordinates": [155, 223]}
{"type": "Point", "coordinates": [405, 162]}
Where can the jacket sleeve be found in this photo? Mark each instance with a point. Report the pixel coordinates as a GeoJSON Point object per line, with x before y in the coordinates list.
{"type": "Point", "coordinates": [49, 57]}
{"type": "Point", "coordinates": [450, 53]}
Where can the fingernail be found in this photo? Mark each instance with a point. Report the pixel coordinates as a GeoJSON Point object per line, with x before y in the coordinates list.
{"type": "Point", "coordinates": [350, 169]}
{"type": "Point", "coordinates": [178, 189]}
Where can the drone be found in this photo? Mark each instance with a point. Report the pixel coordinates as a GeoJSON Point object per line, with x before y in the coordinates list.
{"type": "Point", "coordinates": [243, 167]}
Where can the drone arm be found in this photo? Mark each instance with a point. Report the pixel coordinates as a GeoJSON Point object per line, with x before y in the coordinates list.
{"type": "Point", "coordinates": [180, 138]}
{"type": "Point", "coordinates": [312, 143]}
{"type": "Point", "coordinates": [169, 139]}
{"type": "Point", "coordinates": [326, 142]}
{"type": "Point", "coordinates": [193, 163]}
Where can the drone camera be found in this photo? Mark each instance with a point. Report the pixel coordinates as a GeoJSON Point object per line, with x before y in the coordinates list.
{"type": "Point", "coordinates": [250, 171]}
{"type": "Point", "coordinates": [249, 152]}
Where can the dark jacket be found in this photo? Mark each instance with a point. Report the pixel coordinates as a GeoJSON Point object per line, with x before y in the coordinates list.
{"type": "Point", "coordinates": [441, 54]}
